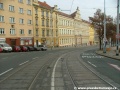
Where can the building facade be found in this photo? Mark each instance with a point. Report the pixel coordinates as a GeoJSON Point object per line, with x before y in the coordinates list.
{"type": "Point", "coordinates": [73, 31]}
{"type": "Point", "coordinates": [45, 24]}
{"type": "Point", "coordinates": [16, 26]}
{"type": "Point", "coordinates": [31, 22]}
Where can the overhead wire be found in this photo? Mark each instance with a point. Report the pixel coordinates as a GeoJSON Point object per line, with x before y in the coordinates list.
{"type": "Point", "coordinates": [71, 6]}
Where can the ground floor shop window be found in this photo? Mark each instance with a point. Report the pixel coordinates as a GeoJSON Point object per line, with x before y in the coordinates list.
{"type": "Point", "coordinates": [21, 42]}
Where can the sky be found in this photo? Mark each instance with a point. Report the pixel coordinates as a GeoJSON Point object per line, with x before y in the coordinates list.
{"type": "Point", "coordinates": [87, 7]}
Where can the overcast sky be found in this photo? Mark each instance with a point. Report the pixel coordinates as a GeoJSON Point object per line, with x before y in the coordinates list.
{"type": "Point", "coordinates": [87, 7]}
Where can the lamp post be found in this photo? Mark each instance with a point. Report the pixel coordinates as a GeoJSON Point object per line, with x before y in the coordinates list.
{"type": "Point", "coordinates": [104, 48]}
{"type": "Point", "coordinates": [117, 31]}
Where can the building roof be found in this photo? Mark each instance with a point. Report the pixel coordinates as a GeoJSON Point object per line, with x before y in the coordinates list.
{"type": "Point", "coordinates": [73, 14]}
{"type": "Point", "coordinates": [44, 5]}
{"type": "Point", "coordinates": [64, 14]}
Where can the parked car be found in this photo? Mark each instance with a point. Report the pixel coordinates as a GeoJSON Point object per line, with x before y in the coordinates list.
{"type": "Point", "coordinates": [37, 48]}
{"type": "Point", "coordinates": [24, 48]}
{"type": "Point", "coordinates": [42, 47]}
{"type": "Point", "coordinates": [30, 48]}
{"type": "Point", "coordinates": [16, 48]}
{"type": "Point", "coordinates": [1, 49]}
{"type": "Point", "coordinates": [6, 47]}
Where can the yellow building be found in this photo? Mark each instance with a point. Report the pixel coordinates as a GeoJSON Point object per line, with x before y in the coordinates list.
{"type": "Point", "coordinates": [16, 22]}
{"type": "Point", "coordinates": [73, 31]}
{"type": "Point", "coordinates": [45, 24]}
{"type": "Point", "coordinates": [91, 35]}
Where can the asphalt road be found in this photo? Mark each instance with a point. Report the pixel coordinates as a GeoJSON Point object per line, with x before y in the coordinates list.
{"type": "Point", "coordinates": [106, 66]}
{"type": "Point", "coordinates": [57, 69]}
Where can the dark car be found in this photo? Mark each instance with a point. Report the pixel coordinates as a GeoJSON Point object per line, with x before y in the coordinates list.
{"type": "Point", "coordinates": [30, 48]}
{"type": "Point", "coordinates": [1, 49]}
{"type": "Point", "coordinates": [24, 48]}
{"type": "Point", "coordinates": [16, 48]}
{"type": "Point", "coordinates": [36, 48]}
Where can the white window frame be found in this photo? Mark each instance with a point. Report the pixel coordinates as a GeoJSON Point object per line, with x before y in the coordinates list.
{"type": "Point", "coordinates": [1, 18]}
{"type": "Point", "coordinates": [12, 31]}
{"type": "Point", "coordinates": [29, 32]}
{"type": "Point", "coordinates": [11, 8]}
{"type": "Point", "coordinates": [29, 12]}
{"type": "Point", "coordinates": [2, 31]}
{"type": "Point", "coordinates": [1, 5]}
{"type": "Point", "coordinates": [12, 20]}
{"type": "Point", "coordinates": [21, 31]}
{"type": "Point", "coordinates": [21, 21]}
{"type": "Point", "coordinates": [20, 10]}
{"type": "Point", "coordinates": [30, 22]}
{"type": "Point", "coordinates": [29, 2]}
{"type": "Point", "coordinates": [20, 1]}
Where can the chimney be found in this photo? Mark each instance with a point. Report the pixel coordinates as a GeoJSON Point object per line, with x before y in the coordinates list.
{"type": "Point", "coordinates": [45, 2]}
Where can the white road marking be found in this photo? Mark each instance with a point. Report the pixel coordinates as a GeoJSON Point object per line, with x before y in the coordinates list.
{"type": "Point", "coordinates": [53, 75]}
{"type": "Point", "coordinates": [24, 62]}
{"type": "Point", "coordinates": [115, 66]}
{"type": "Point", "coordinates": [35, 58]}
{"type": "Point", "coordinates": [92, 64]}
{"type": "Point", "coordinates": [6, 71]}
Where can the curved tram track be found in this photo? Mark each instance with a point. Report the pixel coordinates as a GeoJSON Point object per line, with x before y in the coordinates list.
{"type": "Point", "coordinates": [78, 75]}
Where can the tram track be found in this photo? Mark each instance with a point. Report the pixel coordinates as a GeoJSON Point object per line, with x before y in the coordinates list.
{"type": "Point", "coordinates": [27, 73]}
{"type": "Point", "coordinates": [77, 66]}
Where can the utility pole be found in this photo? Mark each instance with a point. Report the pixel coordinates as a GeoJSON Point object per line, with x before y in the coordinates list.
{"type": "Point", "coordinates": [117, 31]}
{"type": "Point", "coordinates": [105, 40]}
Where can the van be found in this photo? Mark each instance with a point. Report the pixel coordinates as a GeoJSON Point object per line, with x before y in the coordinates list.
{"type": "Point", "coordinates": [6, 47]}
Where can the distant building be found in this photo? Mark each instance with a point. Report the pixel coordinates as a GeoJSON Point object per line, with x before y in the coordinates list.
{"type": "Point", "coordinates": [45, 24]}
{"type": "Point", "coordinates": [73, 31]}
{"type": "Point", "coordinates": [16, 27]}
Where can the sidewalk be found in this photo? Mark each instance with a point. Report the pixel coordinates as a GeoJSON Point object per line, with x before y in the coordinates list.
{"type": "Point", "coordinates": [110, 54]}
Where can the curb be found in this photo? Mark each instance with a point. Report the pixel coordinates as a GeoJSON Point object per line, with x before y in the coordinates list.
{"type": "Point", "coordinates": [107, 56]}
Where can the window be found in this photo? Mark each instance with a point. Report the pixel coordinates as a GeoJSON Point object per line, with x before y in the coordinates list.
{"type": "Point", "coordinates": [21, 31]}
{"type": "Point", "coordinates": [20, 10]}
{"type": "Point", "coordinates": [47, 23]}
{"type": "Point", "coordinates": [36, 11]}
{"type": "Point", "coordinates": [2, 31]}
{"type": "Point", "coordinates": [43, 32]}
{"type": "Point", "coordinates": [21, 1]}
{"type": "Point", "coordinates": [37, 22]}
{"type": "Point", "coordinates": [36, 32]}
{"type": "Point", "coordinates": [47, 14]}
{"type": "Point", "coordinates": [1, 5]}
{"type": "Point", "coordinates": [42, 22]}
{"type": "Point", "coordinates": [29, 31]}
{"type": "Point", "coordinates": [42, 12]}
{"type": "Point", "coordinates": [21, 42]}
{"type": "Point", "coordinates": [29, 2]}
{"type": "Point", "coordinates": [21, 21]}
{"type": "Point", "coordinates": [12, 20]}
{"type": "Point", "coordinates": [29, 21]}
{"type": "Point", "coordinates": [47, 32]}
{"type": "Point", "coordinates": [29, 12]}
{"type": "Point", "coordinates": [12, 31]}
{"type": "Point", "coordinates": [11, 8]}
{"type": "Point", "coordinates": [30, 41]}
{"type": "Point", "coordinates": [1, 18]}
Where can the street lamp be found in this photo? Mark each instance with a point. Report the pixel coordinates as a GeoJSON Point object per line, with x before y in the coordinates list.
{"type": "Point", "coordinates": [117, 31]}
{"type": "Point", "coordinates": [104, 48]}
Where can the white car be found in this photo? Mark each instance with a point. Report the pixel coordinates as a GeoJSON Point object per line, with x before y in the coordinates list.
{"type": "Point", "coordinates": [6, 47]}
